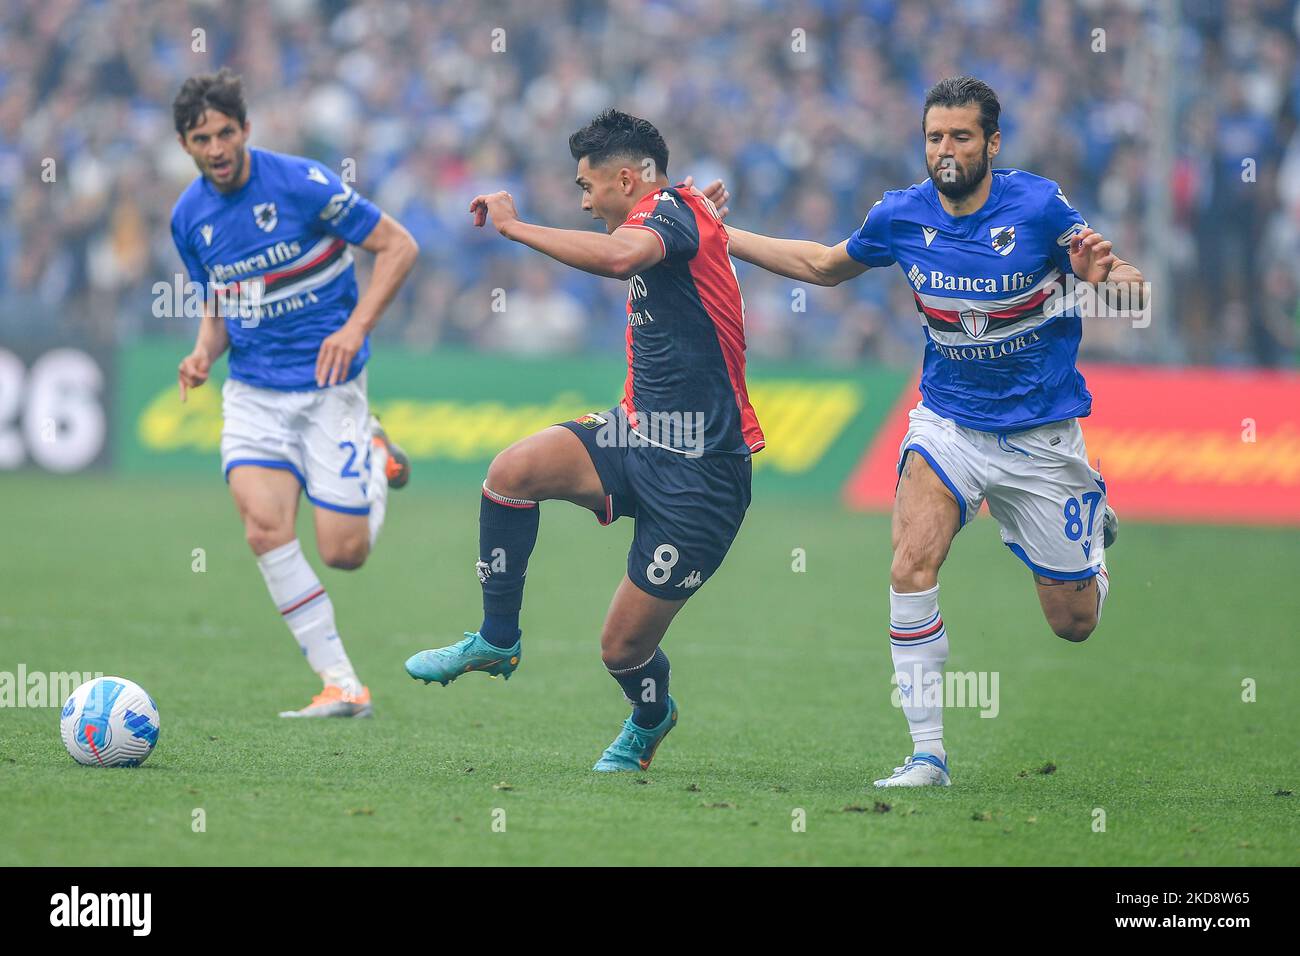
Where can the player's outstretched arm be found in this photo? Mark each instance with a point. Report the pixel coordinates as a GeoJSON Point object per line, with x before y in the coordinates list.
{"type": "Point", "coordinates": [395, 254]}
{"type": "Point", "coordinates": [619, 255]}
{"type": "Point", "coordinates": [799, 259]}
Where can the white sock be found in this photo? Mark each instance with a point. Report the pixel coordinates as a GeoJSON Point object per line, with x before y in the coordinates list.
{"type": "Point", "coordinates": [918, 642]}
{"type": "Point", "coordinates": [377, 492]}
{"type": "Point", "coordinates": [308, 612]}
{"type": "Point", "coordinates": [1103, 588]}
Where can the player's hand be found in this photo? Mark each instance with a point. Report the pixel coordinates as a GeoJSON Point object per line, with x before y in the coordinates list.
{"type": "Point", "coordinates": [1090, 256]}
{"type": "Point", "coordinates": [715, 192]}
{"type": "Point", "coordinates": [336, 354]}
{"type": "Point", "coordinates": [499, 205]}
{"type": "Point", "coordinates": [193, 370]}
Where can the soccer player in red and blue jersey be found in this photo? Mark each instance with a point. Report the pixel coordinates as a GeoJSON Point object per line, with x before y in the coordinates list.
{"type": "Point", "coordinates": [992, 257]}
{"type": "Point", "coordinates": [674, 454]}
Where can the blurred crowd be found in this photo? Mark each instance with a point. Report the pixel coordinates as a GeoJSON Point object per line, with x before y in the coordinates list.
{"type": "Point", "coordinates": [808, 110]}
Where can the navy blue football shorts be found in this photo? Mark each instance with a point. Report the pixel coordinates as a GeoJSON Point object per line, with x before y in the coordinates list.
{"type": "Point", "coordinates": [687, 509]}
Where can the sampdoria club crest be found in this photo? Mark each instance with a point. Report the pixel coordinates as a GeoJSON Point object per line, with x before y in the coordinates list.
{"type": "Point", "coordinates": [1003, 238]}
{"type": "Point", "coordinates": [264, 215]}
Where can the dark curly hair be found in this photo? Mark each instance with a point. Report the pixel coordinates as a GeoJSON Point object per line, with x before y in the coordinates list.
{"type": "Point", "coordinates": [222, 91]}
{"type": "Point", "coordinates": [616, 134]}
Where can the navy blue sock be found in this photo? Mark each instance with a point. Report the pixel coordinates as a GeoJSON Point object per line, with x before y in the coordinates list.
{"type": "Point", "coordinates": [646, 687]}
{"type": "Point", "coordinates": [507, 531]}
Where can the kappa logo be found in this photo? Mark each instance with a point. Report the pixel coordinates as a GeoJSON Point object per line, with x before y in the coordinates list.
{"type": "Point", "coordinates": [974, 323]}
{"type": "Point", "coordinates": [665, 197]}
{"type": "Point", "coordinates": [316, 176]}
{"type": "Point", "coordinates": [264, 215]}
{"type": "Point", "coordinates": [691, 581]}
{"type": "Point", "coordinates": [1003, 239]}
{"type": "Point", "coordinates": [917, 276]}
{"type": "Point", "coordinates": [929, 235]}
{"type": "Point", "coordinates": [206, 232]}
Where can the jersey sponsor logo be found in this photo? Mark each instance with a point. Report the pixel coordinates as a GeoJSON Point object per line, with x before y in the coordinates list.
{"type": "Point", "coordinates": [969, 353]}
{"type": "Point", "coordinates": [916, 276]}
{"type": "Point", "coordinates": [271, 256]}
{"type": "Point", "coordinates": [1003, 239]}
{"type": "Point", "coordinates": [636, 289]}
{"type": "Point", "coordinates": [1007, 282]}
{"type": "Point", "coordinates": [974, 323]}
{"type": "Point", "coordinates": [206, 232]}
{"type": "Point", "coordinates": [691, 581]}
{"type": "Point", "coordinates": [316, 176]}
{"type": "Point", "coordinates": [929, 235]}
{"type": "Point", "coordinates": [265, 216]}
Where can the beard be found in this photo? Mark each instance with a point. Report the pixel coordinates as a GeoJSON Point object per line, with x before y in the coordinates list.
{"type": "Point", "coordinates": [957, 183]}
{"type": "Point", "coordinates": [236, 171]}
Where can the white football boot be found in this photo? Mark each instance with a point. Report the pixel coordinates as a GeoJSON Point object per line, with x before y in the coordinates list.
{"type": "Point", "coordinates": [918, 770]}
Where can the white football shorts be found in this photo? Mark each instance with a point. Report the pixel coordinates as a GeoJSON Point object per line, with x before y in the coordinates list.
{"type": "Point", "coordinates": [1038, 484]}
{"type": "Point", "coordinates": [322, 436]}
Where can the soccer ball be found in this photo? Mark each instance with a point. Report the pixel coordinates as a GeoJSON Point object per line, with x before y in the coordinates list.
{"type": "Point", "coordinates": [110, 722]}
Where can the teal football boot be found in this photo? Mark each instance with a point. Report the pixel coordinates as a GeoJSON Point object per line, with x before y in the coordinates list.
{"type": "Point", "coordinates": [635, 747]}
{"type": "Point", "coordinates": [445, 664]}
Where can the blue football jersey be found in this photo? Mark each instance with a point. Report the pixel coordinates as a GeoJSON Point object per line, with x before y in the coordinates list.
{"type": "Point", "coordinates": [288, 231]}
{"type": "Point", "coordinates": [1000, 350]}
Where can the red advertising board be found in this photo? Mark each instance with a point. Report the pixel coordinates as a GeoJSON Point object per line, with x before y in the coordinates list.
{"type": "Point", "coordinates": [1175, 444]}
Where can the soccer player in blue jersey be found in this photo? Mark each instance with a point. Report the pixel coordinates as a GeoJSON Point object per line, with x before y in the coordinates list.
{"type": "Point", "coordinates": [674, 454]}
{"type": "Point", "coordinates": [989, 255]}
{"type": "Point", "coordinates": [269, 236]}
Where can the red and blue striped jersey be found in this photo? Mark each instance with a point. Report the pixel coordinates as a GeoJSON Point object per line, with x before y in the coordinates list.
{"type": "Point", "coordinates": [686, 333]}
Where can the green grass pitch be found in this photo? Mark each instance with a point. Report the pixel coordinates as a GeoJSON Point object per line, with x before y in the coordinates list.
{"type": "Point", "coordinates": [782, 678]}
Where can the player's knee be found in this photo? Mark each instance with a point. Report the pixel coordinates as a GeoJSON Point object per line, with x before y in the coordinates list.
{"type": "Point", "coordinates": [910, 572]}
{"type": "Point", "coordinates": [510, 473]}
{"type": "Point", "coordinates": [619, 649]}
{"type": "Point", "coordinates": [344, 555]}
{"type": "Point", "coordinates": [263, 536]}
{"type": "Point", "coordinates": [507, 475]}
{"type": "Point", "coordinates": [1073, 628]}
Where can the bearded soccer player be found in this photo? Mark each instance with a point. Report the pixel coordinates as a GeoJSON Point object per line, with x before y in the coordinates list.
{"type": "Point", "coordinates": [273, 232]}
{"type": "Point", "coordinates": [674, 454]}
{"type": "Point", "coordinates": [988, 254]}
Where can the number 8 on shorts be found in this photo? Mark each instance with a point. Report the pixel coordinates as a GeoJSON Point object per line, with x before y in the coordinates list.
{"type": "Point", "coordinates": [661, 568]}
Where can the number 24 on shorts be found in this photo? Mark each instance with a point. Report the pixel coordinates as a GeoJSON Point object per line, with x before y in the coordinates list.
{"type": "Point", "coordinates": [1074, 514]}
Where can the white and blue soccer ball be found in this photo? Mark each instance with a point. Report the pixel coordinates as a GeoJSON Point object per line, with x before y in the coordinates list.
{"type": "Point", "coordinates": [110, 722]}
